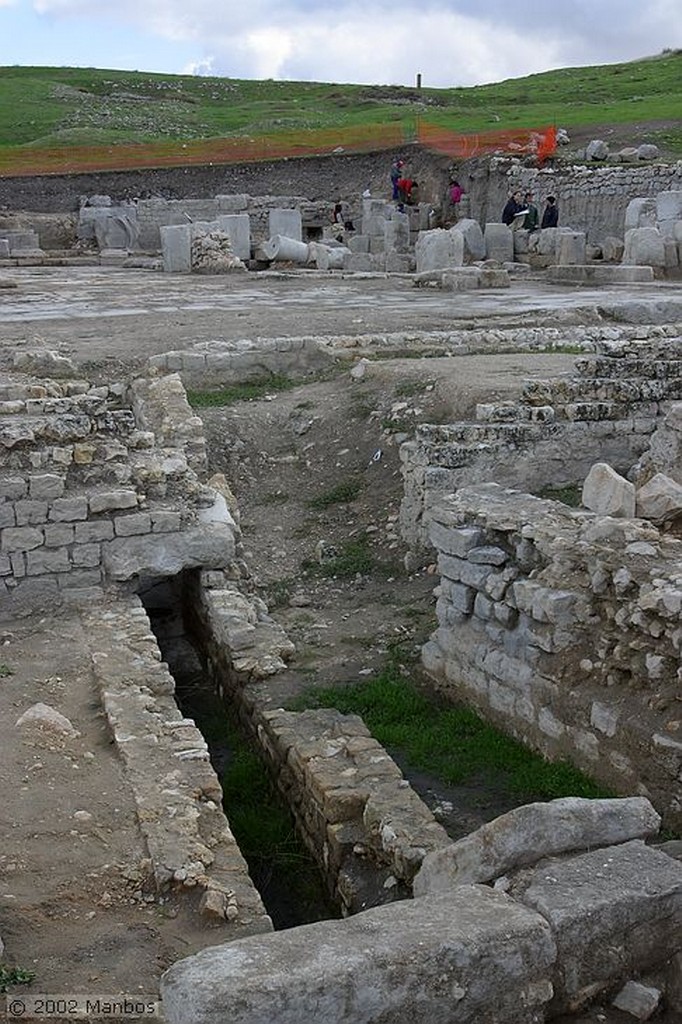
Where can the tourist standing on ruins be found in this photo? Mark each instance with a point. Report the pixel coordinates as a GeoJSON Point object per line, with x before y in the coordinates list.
{"type": "Point", "coordinates": [531, 221]}
{"type": "Point", "coordinates": [512, 208]}
{"type": "Point", "coordinates": [455, 193]}
{"type": "Point", "coordinates": [550, 215]}
{"type": "Point", "coordinates": [396, 174]}
{"type": "Point", "coordinates": [337, 223]}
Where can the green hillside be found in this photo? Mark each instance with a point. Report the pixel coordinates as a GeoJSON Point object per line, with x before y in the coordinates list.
{"type": "Point", "coordinates": [41, 108]}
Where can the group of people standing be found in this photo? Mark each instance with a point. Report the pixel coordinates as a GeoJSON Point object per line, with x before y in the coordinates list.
{"type": "Point", "coordinates": [521, 204]}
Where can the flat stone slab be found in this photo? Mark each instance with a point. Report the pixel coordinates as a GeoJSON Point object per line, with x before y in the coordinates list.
{"type": "Point", "coordinates": [578, 273]}
{"type": "Point", "coordinates": [526, 834]}
{"type": "Point", "coordinates": [471, 956]}
{"type": "Point", "coordinates": [614, 913]}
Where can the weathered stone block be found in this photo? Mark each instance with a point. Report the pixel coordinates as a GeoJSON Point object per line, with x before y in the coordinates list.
{"type": "Point", "coordinates": [527, 834]}
{"type": "Point", "coordinates": [472, 955]}
{"type": "Point", "coordinates": [612, 913]}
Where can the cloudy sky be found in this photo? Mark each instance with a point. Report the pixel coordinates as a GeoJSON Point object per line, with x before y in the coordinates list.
{"type": "Point", "coordinates": [450, 42]}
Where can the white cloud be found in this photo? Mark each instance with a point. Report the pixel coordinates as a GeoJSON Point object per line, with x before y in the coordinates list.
{"type": "Point", "coordinates": [449, 41]}
{"type": "Point", "coordinates": [199, 67]}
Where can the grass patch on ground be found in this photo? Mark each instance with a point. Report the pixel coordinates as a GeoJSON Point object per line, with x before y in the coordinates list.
{"type": "Point", "coordinates": [409, 388]}
{"type": "Point", "coordinates": [449, 742]}
{"type": "Point", "coordinates": [14, 976]}
{"type": "Point", "coordinates": [353, 559]}
{"type": "Point", "coordinates": [232, 393]}
{"type": "Point", "coordinates": [569, 494]}
{"type": "Point", "coordinates": [342, 494]}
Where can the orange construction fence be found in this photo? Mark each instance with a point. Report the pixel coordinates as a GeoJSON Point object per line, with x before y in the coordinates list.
{"type": "Point", "coordinates": [19, 161]}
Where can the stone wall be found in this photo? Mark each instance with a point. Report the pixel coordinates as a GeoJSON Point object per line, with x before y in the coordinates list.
{"type": "Point", "coordinates": [557, 431]}
{"type": "Point", "coordinates": [365, 826]}
{"type": "Point", "coordinates": [591, 198]}
{"type": "Point", "coordinates": [562, 627]}
{"type": "Point", "coordinates": [152, 214]}
{"type": "Point", "coordinates": [101, 484]}
{"type": "Point", "coordinates": [176, 791]}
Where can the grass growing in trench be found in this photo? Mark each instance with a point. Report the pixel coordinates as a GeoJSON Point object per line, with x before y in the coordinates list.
{"type": "Point", "coordinates": [451, 743]}
{"type": "Point", "coordinates": [265, 833]}
{"type": "Point", "coordinates": [232, 393]}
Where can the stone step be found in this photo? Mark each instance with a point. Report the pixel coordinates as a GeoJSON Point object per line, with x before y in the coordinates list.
{"type": "Point", "coordinates": [629, 366]}
{"type": "Point", "coordinates": [625, 392]}
{"type": "Point", "coordinates": [479, 433]}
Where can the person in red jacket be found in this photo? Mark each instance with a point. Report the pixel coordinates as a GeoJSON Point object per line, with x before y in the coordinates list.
{"type": "Point", "coordinates": [406, 190]}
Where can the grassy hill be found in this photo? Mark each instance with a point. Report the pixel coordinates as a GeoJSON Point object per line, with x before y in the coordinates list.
{"type": "Point", "coordinates": [44, 108]}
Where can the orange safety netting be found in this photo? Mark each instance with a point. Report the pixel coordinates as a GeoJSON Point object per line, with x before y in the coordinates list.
{"type": "Point", "coordinates": [18, 161]}
{"type": "Point", "coordinates": [538, 141]}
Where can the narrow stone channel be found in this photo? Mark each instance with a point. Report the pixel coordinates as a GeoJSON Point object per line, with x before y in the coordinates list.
{"type": "Point", "coordinates": [280, 866]}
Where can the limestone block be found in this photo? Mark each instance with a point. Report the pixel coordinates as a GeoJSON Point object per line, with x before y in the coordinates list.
{"type": "Point", "coordinates": [545, 241]}
{"type": "Point", "coordinates": [499, 242]}
{"type": "Point", "coordinates": [109, 500]}
{"type": "Point", "coordinates": [359, 244]}
{"type": "Point", "coordinates": [660, 499]}
{"type": "Point", "coordinates": [358, 262]}
{"type": "Point", "coordinates": [571, 248]}
{"type": "Point", "coordinates": [640, 1001]}
{"type": "Point", "coordinates": [375, 212]}
{"type": "Point", "coordinates": [68, 510]}
{"type": "Point", "coordinates": [397, 233]}
{"type": "Point", "coordinates": [494, 277]}
{"type": "Point", "coordinates": [176, 246]}
{"type": "Point", "coordinates": [460, 279]}
{"type": "Point", "coordinates": [672, 256]}
{"type": "Point", "coordinates": [4, 248]}
{"type": "Point", "coordinates": [613, 913]}
{"type": "Point", "coordinates": [285, 222]}
{"type": "Point", "coordinates": [608, 493]}
{"type": "Point", "coordinates": [437, 249]}
{"type": "Point", "coordinates": [644, 247]}
{"type": "Point", "coordinates": [597, 149]}
{"type": "Point", "coordinates": [399, 263]}
{"type": "Point", "coordinates": [668, 212]}
{"type": "Point", "coordinates": [166, 554]}
{"type": "Point", "coordinates": [45, 486]}
{"type": "Point", "coordinates": [640, 213]}
{"type": "Point", "coordinates": [612, 249]}
{"type": "Point", "coordinates": [648, 151]}
{"type": "Point", "coordinates": [474, 243]}
{"type": "Point", "coordinates": [470, 955]}
{"type": "Point", "coordinates": [238, 229]}
{"type": "Point", "coordinates": [521, 241]}
{"type": "Point", "coordinates": [527, 834]}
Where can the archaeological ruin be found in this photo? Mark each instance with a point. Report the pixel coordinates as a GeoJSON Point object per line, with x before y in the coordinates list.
{"type": "Point", "coordinates": [560, 624]}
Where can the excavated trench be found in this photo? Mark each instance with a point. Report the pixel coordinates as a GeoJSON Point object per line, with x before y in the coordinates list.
{"type": "Point", "coordinates": [281, 868]}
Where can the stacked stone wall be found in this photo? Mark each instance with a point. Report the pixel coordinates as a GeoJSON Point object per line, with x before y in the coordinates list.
{"type": "Point", "coordinates": [562, 627]}
{"type": "Point", "coordinates": [365, 826]}
{"type": "Point", "coordinates": [556, 432]}
{"type": "Point", "coordinates": [176, 791]}
{"type": "Point", "coordinates": [592, 199]}
{"type": "Point", "coordinates": [101, 484]}
{"type": "Point", "coordinates": [153, 214]}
